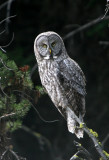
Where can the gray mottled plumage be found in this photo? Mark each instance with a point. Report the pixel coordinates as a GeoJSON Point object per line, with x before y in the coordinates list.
{"type": "Point", "coordinates": [62, 78]}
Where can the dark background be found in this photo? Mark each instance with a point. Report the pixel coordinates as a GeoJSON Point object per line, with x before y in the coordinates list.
{"type": "Point", "coordinates": [38, 140]}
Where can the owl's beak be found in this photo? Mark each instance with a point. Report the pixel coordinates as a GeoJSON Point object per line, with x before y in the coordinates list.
{"type": "Point", "coordinates": [50, 50]}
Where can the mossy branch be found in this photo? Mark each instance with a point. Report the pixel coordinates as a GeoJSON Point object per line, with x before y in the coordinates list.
{"type": "Point", "coordinates": [93, 136]}
{"type": "Point", "coordinates": [81, 150]}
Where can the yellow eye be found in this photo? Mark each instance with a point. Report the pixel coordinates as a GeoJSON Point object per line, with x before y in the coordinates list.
{"type": "Point", "coordinates": [44, 46]}
{"type": "Point", "coordinates": [53, 44]}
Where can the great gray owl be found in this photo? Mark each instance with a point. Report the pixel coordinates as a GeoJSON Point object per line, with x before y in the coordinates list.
{"type": "Point", "coordinates": [62, 78]}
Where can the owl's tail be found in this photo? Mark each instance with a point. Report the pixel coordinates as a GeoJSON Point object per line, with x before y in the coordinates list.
{"type": "Point", "coordinates": [73, 126]}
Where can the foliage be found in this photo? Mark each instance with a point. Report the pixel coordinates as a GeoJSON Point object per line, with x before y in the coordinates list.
{"type": "Point", "coordinates": [40, 90]}
{"type": "Point", "coordinates": [14, 82]}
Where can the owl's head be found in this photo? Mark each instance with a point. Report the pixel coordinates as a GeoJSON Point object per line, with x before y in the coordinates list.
{"type": "Point", "coordinates": [49, 45]}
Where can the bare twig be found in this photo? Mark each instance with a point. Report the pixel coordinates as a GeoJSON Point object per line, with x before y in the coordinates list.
{"type": "Point", "coordinates": [3, 91]}
{"type": "Point", "coordinates": [49, 121]}
{"type": "Point", "coordinates": [105, 139]}
{"type": "Point", "coordinates": [3, 5]}
{"type": "Point", "coordinates": [1, 47]}
{"type": "Point", "coordinates": [8, 14]}
{"type": "Point", "coordinates": [7, 115]}
{"type": "Point", "coordinates": [2, 32]}
{"type": "Point", "coordinates": [2, 50]}
{"type": "Point", "coordinates": [14, 154]}
{"type": "Point", "coordinates": [75, 156]}
{"type": "Point", "coordinates": [95, 21]}
{"type": "Point", "coordinates": [83, 150]}
{"type": "Point", "coordinates": [3, 154]}
{"type": "Point", "coordinates": [31, 99]}
{"type": "Point", "coordinates": [9, 42]}
{"type": "Point", "coordinates": [40, 116]}
{"type": "Point", "coordinates": [5, 65]}
{"type": "Point", "coordinates": [33, 70]}
{"type": "Point", "coordinates": [104, 43]}
{"type": "Point", "coordinates": [7, 18]}
{"type": "Point", "coordinates": [106, 9]}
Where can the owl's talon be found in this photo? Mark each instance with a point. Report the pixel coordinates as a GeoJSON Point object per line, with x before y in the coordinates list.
{"type": "Point", "coordinates": [81, 125]}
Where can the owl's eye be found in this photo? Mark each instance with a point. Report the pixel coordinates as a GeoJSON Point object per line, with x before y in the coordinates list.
{"type": "Point", "coordinates": [53, 44]}
{"type": "Point", "coordinates": [44, 45]}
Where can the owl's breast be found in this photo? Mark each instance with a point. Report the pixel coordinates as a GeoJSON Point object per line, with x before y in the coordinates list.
{"type": "Point", "coordinates": [49, 79]}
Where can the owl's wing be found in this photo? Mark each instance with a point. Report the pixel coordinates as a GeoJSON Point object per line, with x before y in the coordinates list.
{"type": "Point", "coordinates": [72, 82]}
{"type": "Point", "coordinates": [71, 76]}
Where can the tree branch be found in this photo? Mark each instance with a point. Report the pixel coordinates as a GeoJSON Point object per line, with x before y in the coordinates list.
{"type": "Point", "coordinates": [106, 9]}
{"type": "Point", "coordinates": [3, 5]}
{"type": "Point", "coordinates": [8, 14]}
{"type": "Point", "coordinates": [5, 65]}
{"type": "Point", "coordinates": [7, 18]}
{"type": "Point", "coordinates": [3, 154]}
{"type": "Point", "coordinates": [7, 115]}
{"type": "Point", "coordinates": [95, 21]}
{"type": "Point", "coordinates": [8, 150]}
{"type": "Point", "coordinates": [15, 155]}
{"type": "Point", "coordinates": [2, 50]}
{"type": "Point", "coordinates": [2, 32]}
{"type": "Point", "coordinates": [9, 42]}
{"type": "Point", "coordinates": [75, 156]}
{"type": "Point", "coordinates": [105, 139]}
{"type": "Point", "coordinates": [81, 150]}
{"type": "Point", "coordinates": [91, 135]}
{"type": "Point", "coordinates": [104, 43]}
